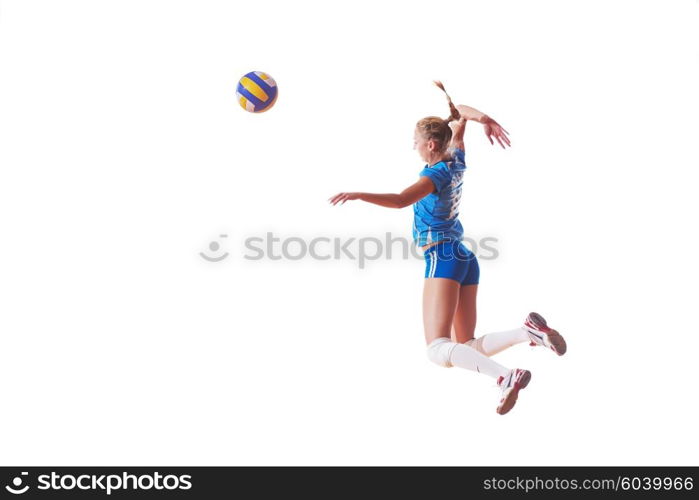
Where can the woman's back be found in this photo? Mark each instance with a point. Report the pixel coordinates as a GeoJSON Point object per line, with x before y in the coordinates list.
{"type": "Point", "coordinates": [436, 215]}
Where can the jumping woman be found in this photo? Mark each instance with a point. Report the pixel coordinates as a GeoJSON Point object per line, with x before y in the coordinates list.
{"type": "Point", "coordinates": [451, 269]}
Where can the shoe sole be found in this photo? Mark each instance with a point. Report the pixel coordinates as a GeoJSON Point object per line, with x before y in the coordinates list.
{"type": "Point", "coordinates": [558, 343]}
{"type": "Point", "coordinates": [508, 403]}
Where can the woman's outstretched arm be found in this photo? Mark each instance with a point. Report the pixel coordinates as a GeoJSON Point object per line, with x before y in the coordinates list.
{"type": "Point", "coordinates": [407, 197]}
{"type": "Point", "coordinates": [490, 126]}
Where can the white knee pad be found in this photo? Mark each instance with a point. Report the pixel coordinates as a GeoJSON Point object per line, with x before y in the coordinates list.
{"type": "Point", "coordinates": [439, 351]}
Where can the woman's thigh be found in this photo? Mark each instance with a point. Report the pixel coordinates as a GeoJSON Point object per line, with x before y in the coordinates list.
{"type": "Point", "coordinates": [439, 300]}
{"type": "Point", "coordinates": [464, 324]}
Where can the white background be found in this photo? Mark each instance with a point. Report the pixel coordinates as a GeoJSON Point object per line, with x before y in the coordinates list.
{"type": "Point", "coordinates": [123, 153]}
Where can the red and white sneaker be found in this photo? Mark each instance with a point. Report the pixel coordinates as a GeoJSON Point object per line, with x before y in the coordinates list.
{"type": "Point", "coordinates": [511, 384]}
{"type": "Point", "coordinates": [541, 334]}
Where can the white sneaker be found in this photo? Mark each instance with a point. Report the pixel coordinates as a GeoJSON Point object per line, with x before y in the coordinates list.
{"type": "Point", "coordinates": [541, 334]}
{"type": "Point", "coordinates": [511, 384]}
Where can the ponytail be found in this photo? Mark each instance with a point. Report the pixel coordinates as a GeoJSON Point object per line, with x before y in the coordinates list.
{"type": "Point", "coordinates": [438, 129]}
{"type": "Point", "coordinates": [454, 113]}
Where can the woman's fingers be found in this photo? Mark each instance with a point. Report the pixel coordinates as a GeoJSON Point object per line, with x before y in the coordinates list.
{"type": "Point", "coordinates": [495, 130]}
{"type": "Point", "coordinates": [340, 198]}
{"type": "Point", "coordinates": [498, 126]}
{"type": "Point", "coordinates": [501, 128]}
{"type": "Point", "coordinates": [336, 198]}
{"type": "Point", "coordinates": [488, 131]}
{"type": "Point", "coordinates": [506, 139]}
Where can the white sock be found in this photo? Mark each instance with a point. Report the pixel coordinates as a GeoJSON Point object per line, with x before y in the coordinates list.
{"type": "Point", "coordinates": [444, 352]}
{"type": "Point", "coordinates": [494, 343]}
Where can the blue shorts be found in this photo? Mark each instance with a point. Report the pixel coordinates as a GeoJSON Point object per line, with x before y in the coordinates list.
{"type": "Point", "coordinates": [451, 259]}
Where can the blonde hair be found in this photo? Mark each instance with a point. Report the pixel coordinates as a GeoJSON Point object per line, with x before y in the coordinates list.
{"type": "Point", "coordinates": [437, 129]}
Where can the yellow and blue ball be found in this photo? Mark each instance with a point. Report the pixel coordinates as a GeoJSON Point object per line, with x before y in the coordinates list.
{"type": "Point", "coordinates": [257, 92]}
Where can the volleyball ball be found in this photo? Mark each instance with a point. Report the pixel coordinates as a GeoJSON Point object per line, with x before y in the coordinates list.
{"type": "Point", "coordinates": [257, 92]}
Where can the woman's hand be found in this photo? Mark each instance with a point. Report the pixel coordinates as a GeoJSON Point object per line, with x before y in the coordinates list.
{"type": "Point", "coordinates": [341, 198]}
{"type": "Point", "coordinates": [493, 129]}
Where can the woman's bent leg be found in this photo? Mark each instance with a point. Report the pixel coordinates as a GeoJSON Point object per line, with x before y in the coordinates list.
{"type": "Point", "coordinates": [440, 298]}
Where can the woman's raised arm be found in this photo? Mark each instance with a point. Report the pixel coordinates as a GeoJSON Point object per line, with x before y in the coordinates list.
{"type": "Point", "coordinates": [490, 126]}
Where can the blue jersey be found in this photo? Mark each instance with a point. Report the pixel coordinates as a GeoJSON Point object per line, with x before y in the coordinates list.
{"type": "Point", "coordinates": [437, 214]}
